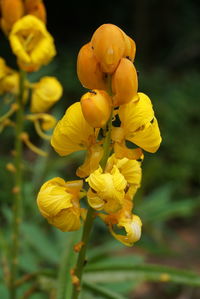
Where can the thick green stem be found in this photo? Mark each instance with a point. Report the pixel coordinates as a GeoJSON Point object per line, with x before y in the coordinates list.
{"type": "Point", "coordinates": [17, 205]}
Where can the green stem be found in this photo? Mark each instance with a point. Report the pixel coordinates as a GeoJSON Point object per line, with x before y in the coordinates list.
{"type": "Point", "coordinates": [68, 259]}
{"type": "Point", "coordinates": [17, 205]}
{"type": "Point", "coordinates": [81, 258]}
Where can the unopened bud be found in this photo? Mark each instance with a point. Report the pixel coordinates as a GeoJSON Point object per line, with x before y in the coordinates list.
{"type": "Point", "coordinates": [109, 46]}
{"type": "Point", "coordinates": [88, 69]}
{"type": "Point", "coordinates": [10, 167]}
{"type": "Point", "coordinates": [124, 83]}
{"type": "Point", "coordinates": [12, 10]}
{"type": "Point", "coordinates": [36, 8]}
{"type": "Point", "coordinates": [96, 107]}
{"type": "Point", "coordinates": [130, 48]}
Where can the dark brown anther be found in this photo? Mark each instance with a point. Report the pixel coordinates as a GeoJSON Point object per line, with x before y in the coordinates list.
{"type": "Point", "coordinates": [92, 91]}
{"type": "Point", "coordinates": [94, 191]}
{"type": "Point", "coordinates": [127, 188]}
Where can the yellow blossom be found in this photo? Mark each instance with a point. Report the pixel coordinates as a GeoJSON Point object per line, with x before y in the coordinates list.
{"type": "Point", "coordinates": [31, 43]}
{"type": "Point", "coordinates": [138, 125]}
{"type": "Point", "coordinates": [58, 202]}
{"type": "Point", "coordinates": [45, 94]}
{"type": "Point", "coordinates": [130, 169]}
{"type": "Point", "coordinates": [10, 83]}
{"type": "Point", "coordinates": [107, 190]}
{"type": "Point", "coordinates": [96, 107]}
{"type": "Point", "coordinates": [124, 219]}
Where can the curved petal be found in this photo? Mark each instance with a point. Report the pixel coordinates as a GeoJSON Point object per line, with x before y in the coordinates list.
{"type": "Point", "coordinates": [72, 133]}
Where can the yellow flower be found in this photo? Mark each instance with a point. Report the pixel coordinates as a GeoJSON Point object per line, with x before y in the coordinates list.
{"type": "Point", "coordinates": [96, 107]}
{"type": "Point", "coordinates": [138, 125]}
{"type": "Point", "coordinates": [31, 43]}
{"type": "Point", "coordinates": [12, 10]}
{"type": "Point", "coordinates": [124, 219]}
{"type": "Point", "coordinates": [107, 190]}
{"type": "Point", "coordinates": [130, 169]}
{"type": "Point", "coordinates": [58, 202]}
{"type": "Point", "coordinates": [45, 94]}
{"type": "Point", "coordinates": [72, 133]}
{"type": "Point", "coordinates": [10, 83]}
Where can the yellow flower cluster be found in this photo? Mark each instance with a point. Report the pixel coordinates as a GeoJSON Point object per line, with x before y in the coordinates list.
{"type": "Point", "coordinates": [24, 22]}
{"type": "Point", "coordinates": [107, 116]}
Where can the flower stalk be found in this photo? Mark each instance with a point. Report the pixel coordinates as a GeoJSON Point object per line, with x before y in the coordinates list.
{"type": "Point", "coordinates": [18, 181]}
{"type": "Point", "coordinates": [90, 217]}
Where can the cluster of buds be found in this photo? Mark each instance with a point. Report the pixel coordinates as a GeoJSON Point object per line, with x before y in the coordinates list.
{"type": "Point", "coordinates": [13, 10]}
{"type": "Point", "coordinates": [24, 23]}
{"type": "Point", "coordinates": [109, 114]}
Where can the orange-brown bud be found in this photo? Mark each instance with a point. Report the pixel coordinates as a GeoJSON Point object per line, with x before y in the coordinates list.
{"type": "Point", "coordinates": [12, 10]}
{"type": "Point", "coordinates": [124, 83]}
{"type": "Point", "coordinates": [88, 69]}
{"type": "Point", "coordinates": [96, 107]}
{"type": "Point", "coordinates": [109, 46]}
{"type": "Point", "coordinates": [130, 48]}
{"type": "Point", "coordinates": [36, 8]}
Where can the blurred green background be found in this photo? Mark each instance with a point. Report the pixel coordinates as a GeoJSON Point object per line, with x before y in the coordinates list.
{"type": "Point", "coordinates": [167, 35]}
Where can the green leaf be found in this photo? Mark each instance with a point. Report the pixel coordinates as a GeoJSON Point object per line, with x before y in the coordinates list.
{"type": "Point", "coordinates": [100, 273]}
{"type": "Point", "coordinates": [102, 290]}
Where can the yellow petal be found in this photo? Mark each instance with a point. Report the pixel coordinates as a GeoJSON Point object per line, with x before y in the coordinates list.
{"type": "Point", "coordinates": [45, 94]}
{"type": "Point", "coordinates": [130, 169]}
{"type": "Point", "coordinates": [121, 151]}
{"type": "Point", "coordinates": [91, 163]}
{"type": "Point", "coordinates": [139, 125]}
{"type": "Point", "coordinates": [108, 187]}
{"type": "Point", "coordinates": [135, 115]}
{"type": "Point", "coordinates": [58, 201]}
{"type": "Point", "coordinates": [52, 197]}
{"type": "Point", "coordinates": [148, 138]}
{"type": "Point", "coordinates": [72, 133]}
{"type": "Point", "coordinates": [132, 228]}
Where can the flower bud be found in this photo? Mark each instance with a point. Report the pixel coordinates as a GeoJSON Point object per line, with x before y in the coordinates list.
{"type": "Point", "coordinates": [45, 94]}
{"type": "Point", "coordinates": [96, 107]}
{"type": "Point", "coordinates": [88, 69]}
{"type": "Point", "coordinates": [12, 10]}
{"type": "Point", "coordinates": [124, 83]}
{"type": "Point", "coordinates": [109, 46]}
{"type": "Point", "coordinates": [36, 8]}
{"type": "Point", "coordinates": [130, 48]}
